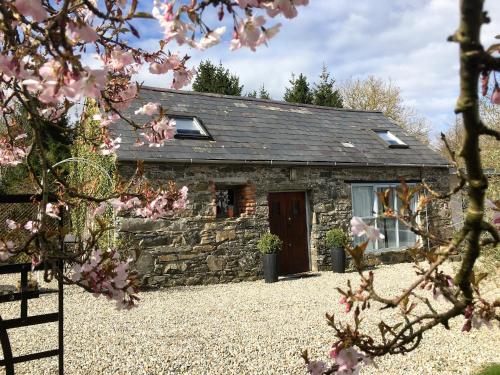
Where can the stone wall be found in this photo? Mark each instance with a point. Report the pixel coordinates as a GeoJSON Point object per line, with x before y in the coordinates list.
{"type": "Point", "coordinates": [196, 247]}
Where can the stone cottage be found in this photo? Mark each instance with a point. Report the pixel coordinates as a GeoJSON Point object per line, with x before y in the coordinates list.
{"type": "Point", "coordinates": [255, 165]}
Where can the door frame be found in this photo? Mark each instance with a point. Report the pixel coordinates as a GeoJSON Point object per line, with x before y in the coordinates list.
{"type": "Point", "coordinates": [308, 214]}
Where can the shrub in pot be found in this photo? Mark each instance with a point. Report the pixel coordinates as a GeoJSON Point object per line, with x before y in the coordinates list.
{"type": "Point", "coordinates": [269, 245]}
{"type": "Point", "coordinates": [336, 240]}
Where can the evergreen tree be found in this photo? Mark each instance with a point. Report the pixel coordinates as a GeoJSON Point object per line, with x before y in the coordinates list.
{"type": "Point", "coordinates": [263, 93]}
{"type": "Point", "coordinates": [324, 92]}
{"type": "Point", "coordinates": [217, 80]}
{"type": "Point", "coordinates": [300, 91]}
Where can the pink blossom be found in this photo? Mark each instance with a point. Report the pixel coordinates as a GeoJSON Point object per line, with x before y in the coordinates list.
{"type": "Point", "coordinates": [110, 145]}
{"type": "Point", "coordinates": [6, 250]}
{"type": "Point", "coordinates": [182, 202]}
{"type": "Point", "coordinates": [105, 274]}
{"type": "Point", "coordinates": [32, 226]}
{"type": "Point", "coordinates": [182, 77]}
{"type": "Point", "coordinates": [286, 7]}
{"type": "Point", "coordinates": [269, 33]}
{"type": "Point", "coordinates": [316, 367]}
{"type": "Point", "coordinates": [138, 143]}
{"type": "Point", "coordinates": [248, 33]}
{"type": "Point", "coordinates": [11, 224]}
{"type": "Point", "coordinates": [170, 63]}
{"type": "Point", "coordinates": [52, 113]}
{"type": "Point", "coordinates": [82, 32]}
{"type": "Point", "coordinates": [11, 67]}
{"type": "Point", "coordinates": [52, 210]}
{"type": "Point", "coordinates": [148, 109]}
{"type": "Point", "coordinates": [31, 8]}
{"type": "Point", "coordinates": [118, 59]}
{"type": "Point", "coordinates": [211, 38]}
{"type": "Point", "coordinates": [10, 154]}
{"type": "Point", "coordinates": [347, 359]}
{"type": "Point", "coordinates": [248, 3]}
{"type": "Point", "coordinates": [93, 82]}
{"type": "Point", "coordinates": [100, 209]}
{"type": "Point", "coordinates": [159, 132]}
{"type": "Point", "coordinates": [173, 27]}
{"type": "Point", "coordinates": [123, 99]}
{"type": "Point", "coordinates": [359, 228]}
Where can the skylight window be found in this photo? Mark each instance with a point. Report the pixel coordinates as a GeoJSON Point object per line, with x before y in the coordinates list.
{"type": "Point", "coordinates": [390, 139]}
{"type": "Point", "coordinates": [189, 127]}
{"type": "Point", "coordinates": [347, 144]}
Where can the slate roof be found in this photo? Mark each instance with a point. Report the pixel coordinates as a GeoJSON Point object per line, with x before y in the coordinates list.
{"type": "Point", "coordinates": [247, 130]}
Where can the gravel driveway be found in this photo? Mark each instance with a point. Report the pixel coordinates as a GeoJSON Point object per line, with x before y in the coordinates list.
{"type": "Point", "coordinates": [245, 328]}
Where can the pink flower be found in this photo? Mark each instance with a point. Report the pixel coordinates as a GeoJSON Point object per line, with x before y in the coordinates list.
{"type": "Point", "coordinates": [31, 8]}
{"type": "Point", "coordinates": [182, 202]}
{"type": "Point", "coordinates": [6, 250]}
{"type": "Point", "coordinates": [11, 224]}
{"type": "Point", "coordinates": [347, 359]}
{"type": "Point", "coordinates": [52, 210]}
{"type": "Point", "coordinates": [159, 132]}
{"type": "Point", "coordinates": [211, 38]}
{"type": "Point", "coordinates": [286, 7]}
{"type": "Point", "coordinates": [248, 33]}
{"type": "Point", "coordinates": [119, 59]}
{"type": "Point", "coordinates": [359, 228]}
{"type": "Point", "coordinates": [110, 145]}
{"type": "Point", "coordinates": [148, 109]}
{"type": "Point", "coordinates": [182, 77]}
{"type": "Point", "coordinates": [248, 3]}
{"type": "Point", "coordinates": [82, 32]}
{"type": "Point", "coordinates": [105, 274]}
{"type": "Point", "coordinates": [10, 154]}
{"type": "Point", "coordinates": [316, 367]}
{"type": "Point", "coordinates": [32, 226]}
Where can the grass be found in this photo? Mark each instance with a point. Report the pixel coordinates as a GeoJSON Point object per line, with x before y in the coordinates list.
{"type": "Point", "coordinates": [490, 370]}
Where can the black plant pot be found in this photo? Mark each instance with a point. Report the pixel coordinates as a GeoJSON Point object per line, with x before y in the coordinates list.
{"type": "Point", "coordinates": [338, 259]}
{"type": "Point", "coordinates": [270, 268]}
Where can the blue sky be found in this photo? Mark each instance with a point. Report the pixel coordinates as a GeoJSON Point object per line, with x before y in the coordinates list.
{"type": "Point", "coordinates": [404, 40]}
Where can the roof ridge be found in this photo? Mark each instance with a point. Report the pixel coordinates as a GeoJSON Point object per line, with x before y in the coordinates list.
{"type": "Point", "coordinates": [247, 98]}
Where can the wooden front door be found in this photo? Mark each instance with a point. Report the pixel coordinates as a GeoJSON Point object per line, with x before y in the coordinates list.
{"type": "Point", "coordinates": [287, 219]}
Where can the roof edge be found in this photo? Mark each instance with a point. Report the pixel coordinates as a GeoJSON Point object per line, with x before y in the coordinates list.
{"type": "Point", "coordinates": [281, 162]}
{"type": "Point", "coordinates": [250, 99]}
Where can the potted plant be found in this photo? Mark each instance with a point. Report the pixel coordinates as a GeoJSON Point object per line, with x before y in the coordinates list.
{"type": "Point", "coordinates": [269, 245]}
{"type": "Point", "coordinates": [336, 240]}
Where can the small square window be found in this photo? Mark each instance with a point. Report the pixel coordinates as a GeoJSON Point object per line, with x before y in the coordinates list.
{"type": "Point", "coordinates": [189, 127]}
{"type": "Point", "coordinates": [227, 202]}
{"type": "Point", "coordinates": [390, 139]}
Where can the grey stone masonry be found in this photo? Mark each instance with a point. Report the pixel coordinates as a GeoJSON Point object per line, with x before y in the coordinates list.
{"type": "Point", "coordinates": [197, 247]}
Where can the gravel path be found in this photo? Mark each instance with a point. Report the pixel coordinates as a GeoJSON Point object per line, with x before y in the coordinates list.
{"type": "Point", "coordinates": [246, 328]}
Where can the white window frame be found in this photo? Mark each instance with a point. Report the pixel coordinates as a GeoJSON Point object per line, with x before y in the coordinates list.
{"type": "Point", "coordinates": [391, 136]}
{"type": "Point", "coordinates": [203, 133]}
{"type": "Point", "coordinates": [383, 185]}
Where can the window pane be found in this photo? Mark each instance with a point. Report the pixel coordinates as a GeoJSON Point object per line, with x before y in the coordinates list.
{"type": "Point", "coordinates": [388, 228]}
{"type": "Point", "coordinates": [406, 237]}
{"type": "Point", "coordinates": [389, 138]}
{"type": "Point", "coordinates": [362, 201]}
{"type": "Point", "coordinates": [189, 126]}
